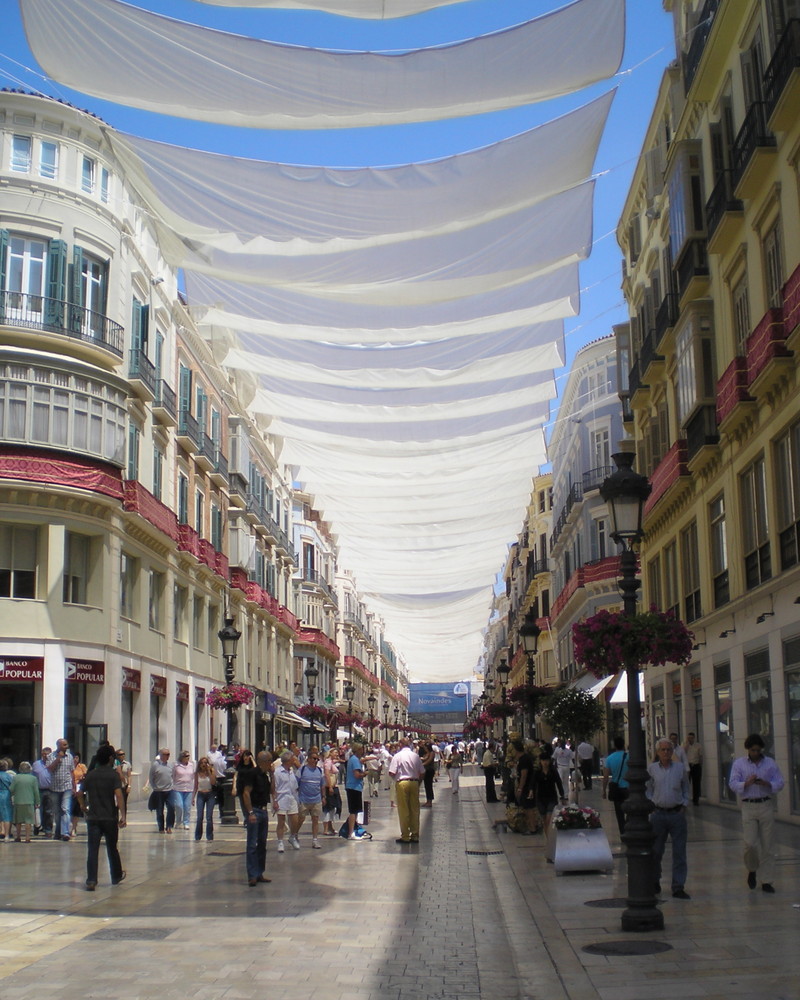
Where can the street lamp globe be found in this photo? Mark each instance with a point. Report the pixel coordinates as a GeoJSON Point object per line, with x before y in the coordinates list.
{"type": "Point", "coordinates": [503, 671]}
{"type": "Point", "coordinates": [625, 491]}
{"type": "Point", "coordinates": [529, 633]}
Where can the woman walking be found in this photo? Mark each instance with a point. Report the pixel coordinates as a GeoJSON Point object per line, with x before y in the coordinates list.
{"type": "Point", "coordinates": [78, 774]}
{"type": "Point", "coordinates": [547, 788]}
{"type": "Point", "coordinates": [429, 763]}
{"type": "Point", "coordinates": [25, 794]}
{"type": "Point", "coordinates": [454, 765]}
{"type": "Point", "coordinates": [204, 797]}
{"type": "Point", "coordinates": [6, 814]}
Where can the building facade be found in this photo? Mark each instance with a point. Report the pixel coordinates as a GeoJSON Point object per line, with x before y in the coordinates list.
{"type": "Point", "coordinates": [711, 238]}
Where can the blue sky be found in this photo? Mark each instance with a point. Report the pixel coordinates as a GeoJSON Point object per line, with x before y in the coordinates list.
{"type": "Point", "coordinates": [649, 48]}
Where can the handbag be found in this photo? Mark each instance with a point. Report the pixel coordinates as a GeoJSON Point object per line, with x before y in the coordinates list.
{"type": "Point", "coordinates": [616, 793]}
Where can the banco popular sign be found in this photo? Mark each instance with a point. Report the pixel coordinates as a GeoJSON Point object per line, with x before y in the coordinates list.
{"type": "Point", "coordinates": [21, 668]}
{"type": "Point", "coordinates": [85, 671]}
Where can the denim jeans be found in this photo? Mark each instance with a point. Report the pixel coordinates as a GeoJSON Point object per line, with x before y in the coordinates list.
{"type": "Point", "coordinates": [673, 825]}
{"type": "Point", "coordinates": [95, 831]}
{"type": "Point", "coordinates": [205, 805]}
{"type": "Point", "coordinates": [62, 810]}
{"type": "Point", "coordinates": [257, 828]}
{"type": "Point", "coordinates": [182, 804]}
{"type": "Point", "coordinates": [165, 799]}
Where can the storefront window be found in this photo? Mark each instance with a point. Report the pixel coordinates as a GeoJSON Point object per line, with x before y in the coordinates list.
{"type": "Point", "coordinates": [126, 724]}
{"type": "Point", "coordinates": [155, 717]}
{"type": "Point", "coordinates": [180, 713]}
{"type": "Point", "coordinates": [75, 718]}
{"type": "Point", "coordinates": [791, 657]}
{"type": "Point", "coordinates": [759, 698]}
{"type": "Point", "coordinates": [725, 736]}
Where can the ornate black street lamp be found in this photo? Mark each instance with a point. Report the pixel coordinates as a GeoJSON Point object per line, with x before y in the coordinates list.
{"type": "Point", "coordinates": [386, 720]}
{"type": "Point", "coordinates": [488, 691]}
{"type": "Point", "coordinates": [372, 701]}
{"type": "Point", "coordinates": [229, 636]}
{"type": "Point", "coordinates": [502, 675]}
{"type": "Point", "coordinates": [312, 673]}
{"type": "Point", "coordinates": [349, 693]}
{"type": "Point", "coordinates": [625, 491]}
{"type": "Point", "coordinates": [529, 633]}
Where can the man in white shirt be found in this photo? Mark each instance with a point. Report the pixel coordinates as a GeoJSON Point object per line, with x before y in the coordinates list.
{"type": "Point", "coordinates": [406, 769]}
{"type": "Point", "coordinates": [585, 753]}
{"type": "Point", "coordinates": [216, 759]}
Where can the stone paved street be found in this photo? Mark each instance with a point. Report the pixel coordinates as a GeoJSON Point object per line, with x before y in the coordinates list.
{"type": "Point", "coordinates": [369, 920]}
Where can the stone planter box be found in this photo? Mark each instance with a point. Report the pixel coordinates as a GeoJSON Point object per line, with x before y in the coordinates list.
{"type": "Point", "coordinates": [579, 851]}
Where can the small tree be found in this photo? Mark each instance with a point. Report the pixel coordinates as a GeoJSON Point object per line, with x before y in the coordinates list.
{"type": "Point", "coordinates": [574, 713]}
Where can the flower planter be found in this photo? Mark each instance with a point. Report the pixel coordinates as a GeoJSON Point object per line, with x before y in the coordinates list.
{"type": "Point", "coordinates": [579, 850]}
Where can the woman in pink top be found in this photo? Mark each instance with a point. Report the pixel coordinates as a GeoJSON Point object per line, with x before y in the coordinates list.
{"type": "Point", "coordinates": [182, 788]}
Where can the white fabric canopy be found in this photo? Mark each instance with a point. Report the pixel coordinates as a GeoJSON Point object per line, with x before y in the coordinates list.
{"type": "Point", "coordinates": [378, 9]}
{"type": "Point", "coordinates": [122, 53]}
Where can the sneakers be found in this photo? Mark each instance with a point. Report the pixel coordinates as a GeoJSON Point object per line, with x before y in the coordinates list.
{"type": "Point", "coordinates": [316, 844]}
{"type": "Point", "coordinates": [295, 843]}
{"type": "Point", "coordinates": [281, 848]}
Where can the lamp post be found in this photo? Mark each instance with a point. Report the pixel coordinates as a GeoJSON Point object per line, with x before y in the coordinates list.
{"type": "Point", "coordinates": [529, 633]}
{"type": "Point", "coordinates": [502, 675]}
{"type": "Point", "coordinates": [372, 701]}
{"type": "Point", "coordinates": [386, 720]}
{"type": "Point", "coordinates": [396, 720]}
{"type": "Point", "coordinates": [349, 693]}
{"type": "Point", "coordinates": [489, 695]}
{"type": "Point", "coordinates": [229, 636]}
{"type": "Point", "coordinates": [626, 491]}
{"type": "Point", "coordinates": [312, 673]}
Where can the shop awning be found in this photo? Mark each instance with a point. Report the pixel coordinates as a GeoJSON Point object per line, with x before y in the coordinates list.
{"type": "Point", "coordinates": [620, 695]}
{"type": "Point", "coordinates": [294, 719]}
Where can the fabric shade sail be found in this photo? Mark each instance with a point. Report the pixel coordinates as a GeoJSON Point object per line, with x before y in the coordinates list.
{"type": "Point", "coordinates": [377, 9]}
{"type": "Point", "coordinates": [160, 64]}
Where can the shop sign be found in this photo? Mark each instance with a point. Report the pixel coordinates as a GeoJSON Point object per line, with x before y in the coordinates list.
{"type": "Point", "coordinates": [697, 683]}
{"type": "Point", "coordinates": [85, 671]}
{"type": "Point", "coordinates": [271, 703]}
{"type": "Point", "coordinates": [158, 686]}
{"type": "Point", "coordinates": [181, 691]}
{"type": "Point", "coordinates": [21, 668]}
{"type": "Point", "coordinates": [131, 679]}
{"type": "Point", "coordinates": [200, 696]}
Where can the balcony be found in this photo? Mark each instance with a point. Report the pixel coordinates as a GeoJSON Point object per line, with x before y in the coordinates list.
{"type": "Point", "coordinates": [753, 152]}
{"type": "Point", "coordinates": [61, 322]}
{"type": "Point", "coordinates": [164, 405]}
{"type": "Point", "coordinates": [724, 213]}
{"type": "Point", "coordinates": [701, 433]}
{"type": "Point", "coordinates": [238, 489]}
{"type": "Point", "coordinates": [691, 270]}
{"type": "Point", "coordinates": [189, 540]}
{"type": "Point", "coordinates": [782, 80]}
{"type": "Point", "coordinates": [139, 500]}
{"type": "Point", "coordinates": [204, 456]}
{"type": "Point", "coordinates": [312, 576]}
{"type": "Point", "coordinates": [592, 572]}
{"type": "Point", "coordinates": [691, 59]}
{"type": "Point", "coordinates": [535, 567]}
{"type": "Point", "coordinates": [791, 308]}
{"type": "Point", "coordinates": [671, 477]}
{"type": "Point", "coordinates": [638, 391]}
{"type": "Point", "coordinates": [665, 319]}
{"type": "Point", "coordinates": [189, 434]}
{"type": "Point", "coordinates": [594, 478]}
{"type": "Point", "coordinates": [142, 375]}
{"type": "Point", "coordinates": [219, 468]}
{"type": "Point", "coordinates": [734, 402]}
{"type": "Point", "coordinates": [650, 362]}
{"type": "Point", "coordinates": [769, 362]}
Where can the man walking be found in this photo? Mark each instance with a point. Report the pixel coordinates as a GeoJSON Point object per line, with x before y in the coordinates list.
{"type": "Point", "coordinates": [40, 769]}
{"type": "Point", "coordinates": [310, 789]}
{"type": "Point", "coordinates": [668, 788]}
{"type": "Point", "coordinates": [161, 783]}
{"type": "Point", "coordinates": [407, 770]}
{"type": "Point", "coordinates": [694, 757]}
{"type": "Point", "coordinates": [103, 804]}
{"type": "Point", "coordinates": [585, 754]}
{"type": "Point", "coordinates": [256, 791]}
{"type": "Point", "coordinates": [216, 759]}
{"type": "Point", "coordinates": [60, 764]}
{"type": "Point", "coordinates": [489, 762]}
{"type": "Point", "coordinates": [757, 779]}
{"type": "Point", "coordinates": [284, 795]}
{"type": "Point", "coordinates": [354, 787]}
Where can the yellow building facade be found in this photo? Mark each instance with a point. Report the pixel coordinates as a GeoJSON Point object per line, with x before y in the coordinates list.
{"type": "Point", "coordinates": [711, 239]}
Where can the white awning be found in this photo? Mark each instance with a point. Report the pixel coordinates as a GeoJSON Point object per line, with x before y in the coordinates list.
{"type": "Point", "coordinates": [620, 695]}
{"type": "Point", "coordinates": [294, 719]}
{"type": "Point", "coordinates": [381, 9]}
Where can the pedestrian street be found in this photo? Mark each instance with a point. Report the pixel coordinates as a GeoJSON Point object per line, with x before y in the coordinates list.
{"type": "Point", "coordinates": [469, 913]}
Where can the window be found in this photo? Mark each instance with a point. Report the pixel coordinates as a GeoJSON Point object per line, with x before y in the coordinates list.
{"type": "Point", "coordinates": [216, 527]}
{"type": "Point", "coordinates": [599, 538]}
{"type": "Point", "coordinates": [601, 449]}
{"type": "Point", "coordinates": [695, 366]}
{"type": "Point", "coordinates": [197, 622]}
{"type": "Point", "coordinates": [134, 435]}
{"type": "Point", "coordinates": [199, 503]}
{"type": "Point", "coordinates": [88, 172]}
{"type": "Point", "coordinates": [726, 743]}
{"type": "Point", "coordinates": [76, 568]}
{"type": "Point", "coordinates": [180, 603]}
{"type": "Point", "coordinates": [25, 278]}
{"type": "Point", "coordinates": [21, 154]}
{"type": "Point", "coordinates": [18, 562]}
{"type": "Point", "coordinates": [158, 473]}
{"type": "Point", "coordinates": [155, 599]}
{"type": "Point", "coordinates": [791, 660]}
{"type": "Point", "coordinates": [93, 293]}
{"type": "Point", "coordinates": [654, 596]}
{"type": "Point", "coordinates": [128, 570]}
{"type": "Point", "coordinates": [48, 160]}
{"type": "Point", "coordinates": [105, 185]}
{"type": "Point", "coordinates": [690, 558]}
{"type": "Point", "coordinates": [787, 495]}
{"type": "Point", "coordinates": [757, 565]}
{"type": "Point", "coordinates": [671, 597]}
{"type": "Point", "coordinates": [759, 698]}
{"type": "Point", "coordinates": [183, 499]}
{"type": "Point", "coordinates": [213, 626]}
{"type": "Point", "coordinates": [773, 267]}
{"type": "Point", "coordinates": [719, 551]}
{"type": "Point", "coordinates": [740, 303]}
{"type": "Point", "coordinates": [686, 201]}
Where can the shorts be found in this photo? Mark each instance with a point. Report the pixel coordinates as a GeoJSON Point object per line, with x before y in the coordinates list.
{"type": "Point", "coordinates": [309, 809]}
{"type": "Point", "coordinates": [287, 805]}
{"type": "Point", "coordinates": [355, 800]}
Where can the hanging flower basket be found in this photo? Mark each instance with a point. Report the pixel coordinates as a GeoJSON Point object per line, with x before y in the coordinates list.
{"type": "Point", "coordinates": [484, 720]}
{"type": "Point", "coordinates": [500, 711]}
{"type": "Point", "coordinates": [606, 642]}
{"type": "Point", "coordinates": [575, 817]}
{"type": "Point", "coordinates": [314, 712]}
{"type": "Point", "coordinates": [229, 697]}
{"type": "Point", "coordinates": [527, 696]}
{"type": "Point", "coordinates": [348, 718]}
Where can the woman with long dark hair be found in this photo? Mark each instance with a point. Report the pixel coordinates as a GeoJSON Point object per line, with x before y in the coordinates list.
{"type": "Point", "coordinates": [429, 763]}
{"type": "Point", "coordinates": [548, 789]}
{"type": "Point", "coordinates": [205, 780]}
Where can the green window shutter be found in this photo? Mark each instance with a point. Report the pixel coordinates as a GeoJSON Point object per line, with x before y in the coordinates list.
{"type": "Point", "coordinates": [3, 265]}
{"type": "Point", "coordinates": [185, 390]}
{"type": "Point", "coordinates": [56, 283]}
{"type": "Point", "coordinates": [136, 325]}
{"type": "Point", "coordinates": [76, 291]}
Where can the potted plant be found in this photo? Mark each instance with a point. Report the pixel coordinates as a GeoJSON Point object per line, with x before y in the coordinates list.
{"type": "Point", "coordinates": [577, 841]}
